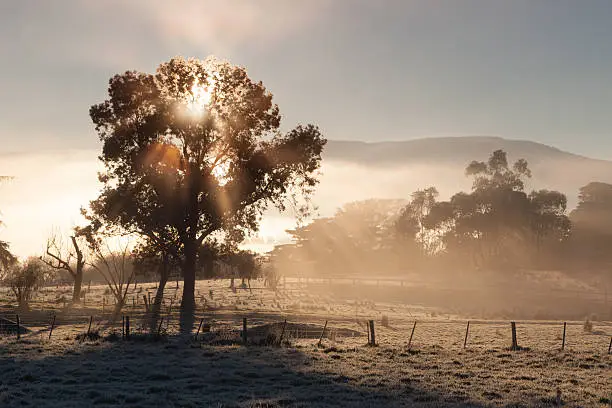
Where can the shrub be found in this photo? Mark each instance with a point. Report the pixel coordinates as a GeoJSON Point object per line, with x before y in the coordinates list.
{"type": "Point", "coordinates": [25, 279]}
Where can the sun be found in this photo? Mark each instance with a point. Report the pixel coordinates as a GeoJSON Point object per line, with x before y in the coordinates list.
{"type": "Point", "coordinates": [221, 173]}
{"type": "Point", "coordinates": [200, 97]}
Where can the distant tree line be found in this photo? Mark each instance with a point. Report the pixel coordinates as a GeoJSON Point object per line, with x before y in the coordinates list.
{"type": "Point", "coordinates": [495, 227]}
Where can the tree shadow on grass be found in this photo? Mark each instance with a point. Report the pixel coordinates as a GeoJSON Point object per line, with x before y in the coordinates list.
{"type": "Point", "coordinates": [130, 374]}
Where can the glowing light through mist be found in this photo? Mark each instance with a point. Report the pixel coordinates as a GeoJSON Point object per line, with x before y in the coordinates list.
{"type": "Point", "coordinates": [221, 173]}
{"type": "Point", "coordinates": [200, 97]}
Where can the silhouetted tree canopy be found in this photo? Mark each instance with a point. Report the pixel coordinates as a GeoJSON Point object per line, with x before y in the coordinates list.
{"type": "Point", "coordinates": [193, 152]}
{"type": "Point", "coordinates": [6, 257]}
{"type": "Point", "coordinates": [496, 223]}
{"type": "Point", "coordinates": [496, 226]}
{"type": "Point", "coordinates": [592, 227]}
{"type": "Point", "coordinates": [360, 238]}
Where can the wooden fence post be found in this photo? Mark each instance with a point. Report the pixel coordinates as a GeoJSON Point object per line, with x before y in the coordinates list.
{"type": "Point", "coordinates": [563, 344]}
{"type": "Point", "coordinates": [122, 326]}
{"type": "Point", "coordinates": [144, 298]}
{"type": "Point", "coordinates": [18, 328]}
{"type": "Point", "coordinates": [610, 346]}
{"type": "Point", "coordinates": [199, 327]}
{"type": "Point", "coordinates": [244, 330]}
{"type": "Point", "coordinates": [411, 334]}
{"type": "Point", "coordinates": [280, 340]}
{"type": "Point", "coordinates": [322, 333]}
{"type": "Point", "coordinates": [467, 330]}
{"type": "Point", "coordinates": [52, 326]}
{"type": "Point", "coordinates": [161, 320]}
{"type": "Point", "coordinates": [372, 333]}
{"type": "Point", "coordinates": [127, 327]}
{"type": "Point", "coordinates": [88, 330]}
{"type": "Point", "coordinates": [515, 345]}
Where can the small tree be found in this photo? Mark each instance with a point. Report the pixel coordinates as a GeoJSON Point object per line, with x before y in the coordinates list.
{"type": "Point", "coordinates": [270, 274]}
{"type": "Point", "coordinates": [116, 267]}
{"type": "Point", "coordinates": [25, 280]}
{"type": "Point", "coordinates": [245, 264]}
{"type": "Point", "coordinates": [69, 258]}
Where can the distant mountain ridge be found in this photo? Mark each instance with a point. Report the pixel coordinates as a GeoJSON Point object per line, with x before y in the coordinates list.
{"type": "Point", "coordinates": [452, 149]}
{"type": "Point", "coordinates": [399, 167]}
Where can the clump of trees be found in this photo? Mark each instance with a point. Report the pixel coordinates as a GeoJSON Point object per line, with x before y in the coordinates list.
{"type": "Point", "coordinates": [356, 239]}
{"type": "Point", "coordinates": [496, 226]}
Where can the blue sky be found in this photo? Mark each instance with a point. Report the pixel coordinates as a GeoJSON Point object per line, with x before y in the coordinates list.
{"type": "Point", "coordinates": [384, 70]}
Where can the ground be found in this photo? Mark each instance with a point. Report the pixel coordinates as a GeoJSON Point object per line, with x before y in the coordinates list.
{"type": "Point", "coordinates": [436, 371]}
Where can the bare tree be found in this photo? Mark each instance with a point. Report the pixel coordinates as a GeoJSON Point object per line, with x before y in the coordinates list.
{"type": "Point", "coordinates": [66, 257]}
{"type": "Point", "coordinates": [117, 269]}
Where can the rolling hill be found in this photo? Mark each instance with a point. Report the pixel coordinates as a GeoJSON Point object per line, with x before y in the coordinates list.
{"type": "Point", "coordinates": [394, 169]}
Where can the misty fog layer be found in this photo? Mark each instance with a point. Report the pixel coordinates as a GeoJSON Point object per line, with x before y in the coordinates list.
{"type": "Point", "coordinates": [50, 187]}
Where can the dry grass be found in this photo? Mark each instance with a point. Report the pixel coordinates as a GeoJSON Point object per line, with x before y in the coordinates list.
{"type": "Point", "coordinates": [436, 372]}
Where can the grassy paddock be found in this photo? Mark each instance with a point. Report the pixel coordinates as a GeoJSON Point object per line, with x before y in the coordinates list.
{"type": "Point", "coordinates": [343, 371]}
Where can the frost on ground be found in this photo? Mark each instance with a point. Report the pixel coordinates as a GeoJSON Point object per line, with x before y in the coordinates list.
{"type": "Point", "coordinates": [435, 372]}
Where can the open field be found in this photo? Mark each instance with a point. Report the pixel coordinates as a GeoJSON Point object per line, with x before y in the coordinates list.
{"type": "Point", "coordinates": [435, 372]}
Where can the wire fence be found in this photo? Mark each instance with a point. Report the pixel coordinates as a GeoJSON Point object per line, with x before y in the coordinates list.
{"type": "Point", "coordinates": [218, 322]}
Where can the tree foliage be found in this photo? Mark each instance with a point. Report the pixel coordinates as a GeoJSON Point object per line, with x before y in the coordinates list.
{"type": "Point", "coordinates": [495, 226]}
{"type": "Point", "coordinates": [24, 280]}
{"type": "Point", "coordinates": [355, 240]}
{"type": "Point", "coordinates": [7, 259]}
{"type": "Point", "coordinates": [592, 227]}
{"type": "Point", "coordinates": [193, 152]}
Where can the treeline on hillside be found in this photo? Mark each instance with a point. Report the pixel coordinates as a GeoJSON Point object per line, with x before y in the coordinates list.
{"type": "Point", "coordinates": [497, 226]}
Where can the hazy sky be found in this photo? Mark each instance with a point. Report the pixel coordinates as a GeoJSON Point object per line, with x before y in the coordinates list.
{"type": "Point", "coordinates": [369, 70]}
{"type": "Point", "coordinates": [365, 70]}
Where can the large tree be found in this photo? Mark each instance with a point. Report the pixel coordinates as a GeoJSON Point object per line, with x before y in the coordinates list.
{"type": "Point", "coordinates": [192, 151]}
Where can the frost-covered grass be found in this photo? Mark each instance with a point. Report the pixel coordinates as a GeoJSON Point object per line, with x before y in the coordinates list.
{"type": "Point", "coordinates": [436, 372]}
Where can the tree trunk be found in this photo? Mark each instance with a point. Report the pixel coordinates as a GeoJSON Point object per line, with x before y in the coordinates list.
{"type": "Point", "coordinates": [188, 303]}
{"type": "Point", "coordinates": [159, 296]}
{"type": "Point", "coordinates": [117, 310]}
{"type": "Point", "coordinates": [78, 276]}
{"type": "Point", "coordinates": [78, 282]}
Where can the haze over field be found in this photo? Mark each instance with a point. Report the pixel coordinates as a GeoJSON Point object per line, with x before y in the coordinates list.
{"type": "Point", "coordinates": [296, 203]}
{"type": "Point", "coordinates": [52, 186]}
